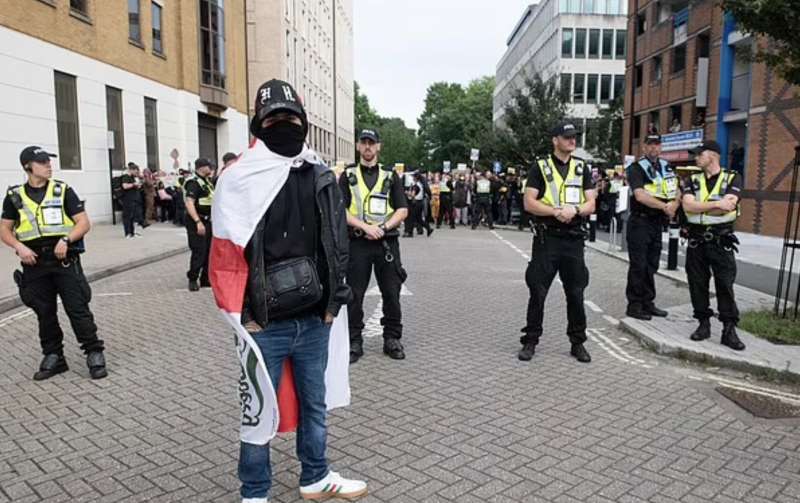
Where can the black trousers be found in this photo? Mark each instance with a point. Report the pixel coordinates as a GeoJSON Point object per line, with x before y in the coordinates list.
{"type": "Point", "coordinates": [416, 220]}
{"type": "Point", "coordinates": [128, 216]}
{"type": "Point", "coordinates": [703, 261]}
{"type": "Point", "coordinates": [644, 252]}
{"type": "Point", "coordinates": [39, 288]}
{"type": "Point", "coordinates": [446, 211]}
{"type": "Point", "coordinates": [364, 256]}
{"type": "Point", "coordinates": [483, 205]}
{"type": "Point", "coordinates": [200, 247]}
{"type": "Point", "coordinates": [553, 255]}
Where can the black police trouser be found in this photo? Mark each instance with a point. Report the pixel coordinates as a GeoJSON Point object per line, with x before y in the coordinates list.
{"type": "Point", "coordinates": [644, 252]}
{"type": "Point", "coordinates": [701, 262]}
{"type": "Point", "coordinates": [563, 255]}
{"type": "Point", "coordinates": [446, 210]}
{"type": "Point", "coordinates": [524, 218]}
{"type": "Point", "coordinates": [128, 216]}
{"type": "Point", "coordinates": [39, 288]}
{"type": "Point", "coordinates": [482, 205]}
{"type": "Point", "coordinates": [200, 247]}
{"type": "Point", "coordinates": [364, 256]}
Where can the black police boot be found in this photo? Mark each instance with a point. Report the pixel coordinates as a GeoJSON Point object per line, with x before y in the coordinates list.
{"type": "Point", "coordinates": [97, 364]}
{"type": "Point", "coordinates": [356, 351]}
{"type": "Point", "coordinates": [660, 313]}
{"type": "Point", "coordinates": [703, 332]}
{"type": "Point", "coordinates": [580, 353]}
{"type": "Point", "coordinates": [430, 231]}
{"type": "Point", "coordinates": [730, 338]}
{"type": "Point", "coordinates": [205, 283]}
{"type": "Point", "coordinates": [638, 313]}
{"type": "Point", "coordinates": [526, 353]}
{"type": "Point", "coordinates": [193, 285]}
{"type": "Point", "coordinates": [393, 349]}
{"type": "Point", "coordinates": [51, 365]}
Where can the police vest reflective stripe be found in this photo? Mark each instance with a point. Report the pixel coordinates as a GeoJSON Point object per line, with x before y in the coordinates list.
{"type": "Point", "coordinates": [559, 191]}
{"type": "Point", "coordinates": [45, 219]}
{"type": "Point", "coordinates": [664, 185]}
{"type": "Point", "coordinates": [208, 187]}
{"type": "Point", "coordinates": [718, 192]}
{"type": "Point", "coordinates": [371, 206]}
{"type": "Point", "coordinates": [484, 187]}
{"type": "Point", "coordinates": [443, 188]}
{"type": "Point", "coordinates": [523, 185]}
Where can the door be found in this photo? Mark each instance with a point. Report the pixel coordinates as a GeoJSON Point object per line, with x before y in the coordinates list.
{"type": "Point", "coordinates": [207, 137]}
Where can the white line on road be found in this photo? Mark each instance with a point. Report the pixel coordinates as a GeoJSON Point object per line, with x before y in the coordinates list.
{"type": "Point", "coordinates": [619, 349]}
{"type": "Point", "coordinates": [591, 305]}
{"type": "Point", "coordinates": [613, 321]}
{"type": "Point", "coordinates": [14, 317]}
{"type": "Point", "coordinates": [606, 348]}
{"type": "Point", "coordinates": [118, 294]}
{"type": "Point", "coordinates": [372, 327]}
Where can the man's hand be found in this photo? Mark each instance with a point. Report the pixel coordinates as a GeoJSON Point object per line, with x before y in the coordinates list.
{"type": "Point", "coordinates": [328, 318]}
{"type": "Point", "coordinates": [26, 255]}
{"type": "Point", "coordinates": [671, 209]}
{"type": "Point", "coordinates": [61, 249]}
{"type": "Point", "coordinates": [566, 214]}
{"type": "Point", "coordinates": [373, 232]}
{"type": "Point", "coordinates": [726, 204]}
{"type": "Point", "coordinates": [201, 229]}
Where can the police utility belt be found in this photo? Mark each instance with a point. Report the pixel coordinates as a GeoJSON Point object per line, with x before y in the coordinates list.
{"type": "Point", "coordinates": [542, 230]}
{"type": "Point", "coordinates": [720, 236]}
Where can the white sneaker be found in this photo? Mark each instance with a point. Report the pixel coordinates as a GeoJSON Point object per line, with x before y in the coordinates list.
{"type": "Point", "coordinates": [255, 500]}
{"type": "Point", "coordinates": [334, 486]}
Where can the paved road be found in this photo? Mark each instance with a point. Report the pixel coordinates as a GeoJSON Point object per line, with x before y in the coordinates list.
{"type": "Point", "coordinates": [460, 420]}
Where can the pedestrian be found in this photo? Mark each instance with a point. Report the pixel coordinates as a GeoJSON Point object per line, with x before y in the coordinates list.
{"type": "Point", "coordinates": [460, 200]}
{"type": "Point", "coordinates": [44, 221]}
{"type": "Point", "coordinates": [131, 193]}
{"type": "Point", "coordinates": [483, 200]}
{"type": "Point", "coordinates": [654, 204]}
{"type": "Point", "coordinates": [376, 206]}
{"type": "Point", "coordinates": [436, 198]}
{"type": "Point", "coordinates": [178, 199]}
{"type": "Point", "coordinates": [199, 195]}
{"type": "Point", "coordinates": [446, 202]}
{"type": "Point", "coordinates": [227, 159]}
{"type": "Point", "coordinates": [560, 194]}
{"type": "Point", "coordinates": [711, 202]}
{"type": "Point", "coordinates": [149, 193]}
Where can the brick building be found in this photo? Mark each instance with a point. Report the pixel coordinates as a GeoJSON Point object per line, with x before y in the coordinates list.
{"type": "Point", "coordinates": [687, 77]}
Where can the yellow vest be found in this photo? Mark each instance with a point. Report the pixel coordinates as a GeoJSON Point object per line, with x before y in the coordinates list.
{"type": "Point", "coordinates": [443, 187]}
{"type": "Point", "coordinates": [208, 200]}
{"type": "Point", "coordinates": [559, 191]}
{"type": "Point", "coordinates": [664, 185]}
{"type": "Point", "coordinates": [716, 193]}
{"type": "Point", "coordinates": [45, 219]}
{"type": "Point", "coordinates": [371, 206]}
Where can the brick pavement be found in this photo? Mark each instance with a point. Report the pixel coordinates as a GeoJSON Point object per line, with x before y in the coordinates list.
{"type": "Point", "coordinates": [460, 420]}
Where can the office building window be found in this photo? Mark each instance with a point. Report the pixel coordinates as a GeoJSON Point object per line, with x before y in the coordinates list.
{"type": "Point", "coordinates": [158, 44]}
{"type": "Point", "coordinates": [703, 46]}
{"type": "Point", "coordinates": [591, 88]}
{"type": "Point", "coordinates": [69, 143]}
{"type": "Point", "coordinates": [212, 42]}
{"type": "Point", "coordinates": [605, 88]}
{"type": "Point", "coordinates": [619, 85]}
{"type": "Point", "coordinates": [608, 44]}
{"type": "Point", "coordinates": [657, 68]}
{"type": "Point", "coordinates": [577, 93]}
{"type": "Point", "coordinates": [580, 43]}
{"type": "Point", "coordinates": [637, 127]}
{"type": "Point", "coordinates": [114, 122]}
{"type": "Point", "coordinates": [622, 41]}
{"type": "Point", "coordinates": [134, 28]}
{"type": "Point", "coordinates": [594, 43]}
{"type": "Point", "coordinates": [641, 23]}
{"type": "Point", "coordinates": [679, 58]}
{"type": "Point", "coordinates": [80, 6]}
{"type": "Point", "coordinates": [566, 85]}
{"type": "Point", "coordinates": [566, 42]}
{"type": "Point", "coordinates": [654, 122]}
{"type": "Point", "coordinates": [638, 76]}
{"type": "Point", "coordinates": [151, 133]}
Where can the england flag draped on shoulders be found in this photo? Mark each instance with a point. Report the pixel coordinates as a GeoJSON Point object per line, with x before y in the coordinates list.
{"type": "Point", "coordinates": [243, 194]}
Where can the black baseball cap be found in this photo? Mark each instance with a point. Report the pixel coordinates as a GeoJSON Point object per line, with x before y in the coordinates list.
{"type": "Point", "coordinates": [652, 138]}
{"type": "Point", "coordinates": [707, 145]}
{"type": "Point", "coordinates": [34, 154]}
{"type": "Point", "coordinates": [201, 162]}
{"type": "Point", "coordinates": [369, 134]}
{"type": "Point", "coordinates": [277, 96]}
{"type": "Point", "coordinates": [565, 129]}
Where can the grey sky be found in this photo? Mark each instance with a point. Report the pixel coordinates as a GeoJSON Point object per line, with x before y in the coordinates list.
{"type": "Point", "coordinates": [403, 46]}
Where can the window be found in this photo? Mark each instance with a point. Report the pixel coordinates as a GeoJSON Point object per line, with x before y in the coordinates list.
{"type": "Point", "coordinates": [657, 71]}
{"type": "Point", "coordinates": [69, 144]}
{"type": "Point", "coordinates": [703, 46]}
{"type": "Point", "coordinates": [115, 126]}
{"type": "Point", "coordinates": [679, 58]}
{"type": "Point", "coordinates": [608, 44]}
{"type": "Point", "coordinates": [654, 122]}
{"type": "Point", "coordinates": [151, 133]}
{"type": "Point", "coordinates": [622, 41]}
{"type": "Point", "coordinates": [641, 23]}
{"type": "Point", "coordinates": [577, 93]}
{"type": "Point", "coordinates": [594, 43]}
{"type": "Point", "coordinates": [80, 6]}
{"type": "Point", "coordinates": [637, 127]}
{"type": "Point", "coordinates": [134, 28]}
{"type": "Point", "coordinates": [638, 76]}
{"type": "Point", "coordinates": [619, 85]}
{"type": "Point", "coordinates": [591, 88]}
{"type": "Point", "coordinates": [212, 42]}
{"type": "Point", "coordinates": [580, 43]}
{"type": "Point", "coordinates": [663, 12]}
{"type": "Point", "coordinates": [158, 44]}
{"type": "Point", "coordinates": [566, 85]}
{"type": "Point", "coordinates": [605, 88]}
{"type": "Point", "coordinates": [675, 118]}
{"type": "Point", "coordinates": [566, 42]}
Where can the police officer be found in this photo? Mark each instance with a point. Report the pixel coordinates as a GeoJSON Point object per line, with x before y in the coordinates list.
{"type": "Point", "coordinates": [483, 200]}
{"type": "Point", "coordinates": [711, 204]}
{"type": "Point", "coordinates": [199, 195]}
{"type": "Point", "coordinates": [446, 202]}
{"type": "Point", "coordinates": [376, 206]}
{"type": "Point", "coordinates": [131, 186]}
{"type": "Point", "coordinates": [45, 222]}
{"type": "Point", "coordinates": [560, 195]}
{"type": "Point", "coordinates": [655, 202]}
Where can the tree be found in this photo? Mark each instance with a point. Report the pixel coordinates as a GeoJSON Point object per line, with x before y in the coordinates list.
{"type": "Point", "coordinates": [399, 143]}
{"type": "Point", "coordinates": [365, 115]}
{"type": "Point", "coordinates": [604, 137]}
{"type": "Point", "coordinates": [778, 20]}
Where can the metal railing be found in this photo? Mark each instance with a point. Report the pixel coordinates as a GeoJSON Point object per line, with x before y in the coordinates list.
{"type": "Point", "coordinates": [784, 305]}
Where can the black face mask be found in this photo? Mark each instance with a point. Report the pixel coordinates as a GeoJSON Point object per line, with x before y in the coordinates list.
{"type": "Point", "coordinates": [283, 138]}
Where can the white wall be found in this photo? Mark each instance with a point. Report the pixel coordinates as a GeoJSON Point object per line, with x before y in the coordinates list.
{"type": "Point", "coordinates": [28, 116]}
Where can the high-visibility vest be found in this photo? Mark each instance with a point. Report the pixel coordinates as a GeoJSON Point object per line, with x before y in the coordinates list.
{"type": "Point", "coordinates": [46, 219]}
{"type": "Point", "coordinates": [664, 185]}
{"type": "Point", "coordinates": [443, 188]}
{"type": "Point", "coordinates": [703, 195]}
{"type": "Point", "coordinates": [484, 187]}
{"type": "Point", "coordinates": [559, 191]}
{"type": "Point", "coordinates": [208, 187]}
{"type": "Point", "coordinates": [371, 206]}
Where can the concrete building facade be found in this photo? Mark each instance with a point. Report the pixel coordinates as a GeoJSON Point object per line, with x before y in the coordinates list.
{"type": "Point", "coordinates": [689, 79]}
{"type": "Point", "coordinates": [582, 43]}
{"type": "Point", "coordinates": [308, 43]}
{"type": "Point", "coordinates": [156, 82]}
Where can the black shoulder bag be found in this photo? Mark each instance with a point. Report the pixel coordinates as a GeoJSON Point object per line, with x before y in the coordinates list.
{"type": "Point", "coordinates": [293, 286]}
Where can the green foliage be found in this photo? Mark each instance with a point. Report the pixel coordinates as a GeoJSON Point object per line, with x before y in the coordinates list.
{"type": "Point", "coordinates": [604, 138]}
{"type": "Point", "coordinates": [778, 20]}
{"type": "Point", "coordinates": [767, 325]}
{"type": "Point", "coordinates": [399, 143]}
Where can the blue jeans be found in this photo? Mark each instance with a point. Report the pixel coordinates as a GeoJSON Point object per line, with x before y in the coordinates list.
{"type": "Point", "coordinates": [305, 341]}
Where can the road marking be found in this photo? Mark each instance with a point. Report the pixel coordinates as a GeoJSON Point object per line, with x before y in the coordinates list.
{"type": "Point", "coordinates": [14, 317]}
{"type": "Point", "coordinates": [118, 294]}
{"type": "Point", "coordinates": [613, 321]}
{"type": "Point", "coordinates": [591, 305]}
{"type": "Point", "coordinates": [619, 349]}
{"type": "Point", "coordinates": [373, 328]}
{"type": "Point", "coordinates": [375, 291]}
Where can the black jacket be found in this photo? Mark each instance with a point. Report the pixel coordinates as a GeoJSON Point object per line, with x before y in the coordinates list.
{"type": "Point", "coordinates": [332, 255]}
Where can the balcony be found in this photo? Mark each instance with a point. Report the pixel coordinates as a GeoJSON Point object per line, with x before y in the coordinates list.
{"type": "Point", "coordinates": [740, 92]}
